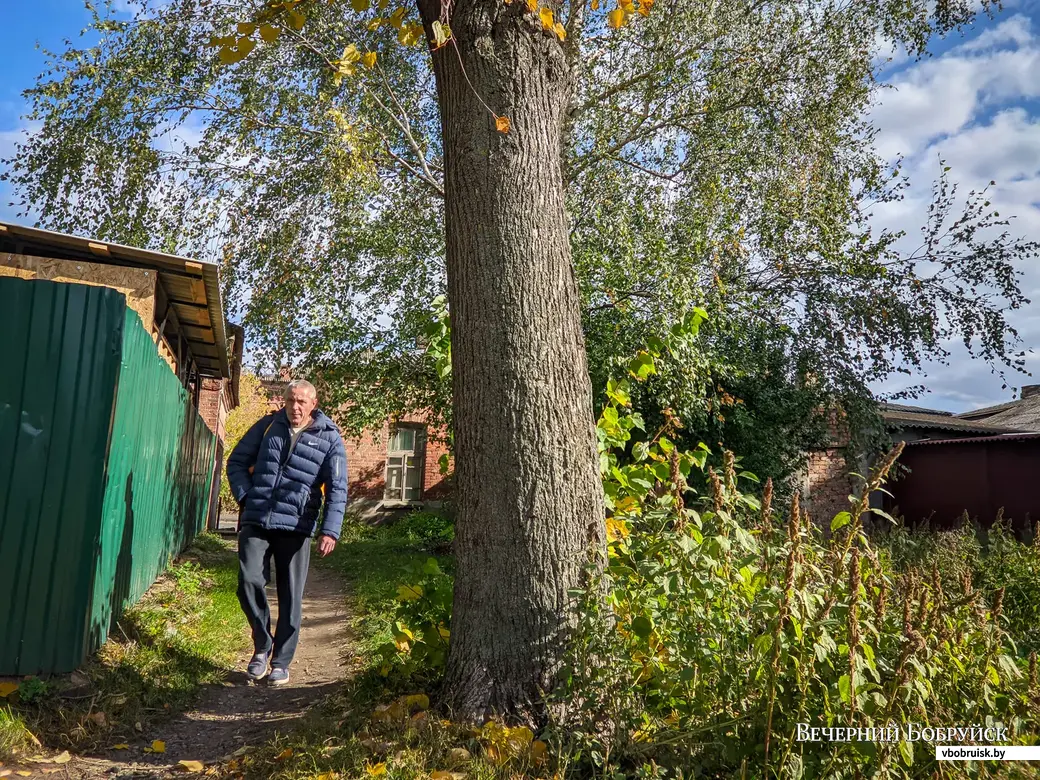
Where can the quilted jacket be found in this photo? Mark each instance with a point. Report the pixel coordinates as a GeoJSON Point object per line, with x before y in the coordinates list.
{"type": "Point", "coordinates": [284, 490]}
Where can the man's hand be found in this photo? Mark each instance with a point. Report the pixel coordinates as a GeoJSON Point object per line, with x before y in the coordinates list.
{"type": "Point", "coordinates": [326, 544]}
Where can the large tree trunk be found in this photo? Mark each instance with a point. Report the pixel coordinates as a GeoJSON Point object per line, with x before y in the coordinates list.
{"type": "Point", "coordinates": [529, 497]}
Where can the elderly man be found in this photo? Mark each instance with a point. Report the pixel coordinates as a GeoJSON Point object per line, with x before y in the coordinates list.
{"type": "Point", "coordinates": [278, 472]}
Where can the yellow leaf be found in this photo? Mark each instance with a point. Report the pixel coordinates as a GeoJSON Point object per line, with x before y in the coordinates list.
{"type": "Point", "coordinates": [158, 746]}
{"type": "Point", "coordinates": [595, 5]}
{"type": "Point", "coordinates": [368, 59]}
{"type": "Point", "coordinates": [23, 773]}
{"type": "Point", "coordinates": [628, 6]}
{"type": "Point", "coordinates": [410, 592]}
{"type": "Point", "coordinates": [7, 688]}
{"type": "Point", "coordinates": [502, 124]}
{"type": "Point", "coordinates": [459, 755]}
{"type": "Point", "coordinates": [296, 20]}
{"type": "Point", "coordinates": [409, 36]}
{"type": "Point", "coordinates": [246, 28]}
{"type": "Point", "coordinates": [417, 701]}
{"type": "Point", "coordinates": [440, 33]}
{"type": "Point", "coordinates": [616, 18]}
{"type": "Point", "coordinates": [268, 33]}
{"type": "Point", "coordinates": [121, 746]}
{"type": "Point", "coordinates": [376, 770]}
{"type": "Point", "coordinates": [191, 766]}
{"type": "Point", "coordinates": [539, 751]}
{"type": "Point", "coordinates": [645, 6]}
{"type": "Point", "coordinates": [561, 31]}
{"type": "Point", "coordinates": [532, 6]}
{"type": "Point", "coordinates": [397, 18]}
{"type": "Point", "coordinates": [62, 758]}
{"type": "Point", "coordinates": [376, 23]}
{"type": "Point", "coordinates": [359, 5]}
{"type": "Point", "coordinates": [546, 15]}
{"type": "Point", "coordinates": [287, 753]}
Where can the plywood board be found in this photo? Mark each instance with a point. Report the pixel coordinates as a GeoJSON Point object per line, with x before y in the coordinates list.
{"type": "Point", "coordinates": [137, 284]}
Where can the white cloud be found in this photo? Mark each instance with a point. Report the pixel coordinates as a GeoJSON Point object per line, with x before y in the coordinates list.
{"type": "Point", "coordinates": [970, 107]}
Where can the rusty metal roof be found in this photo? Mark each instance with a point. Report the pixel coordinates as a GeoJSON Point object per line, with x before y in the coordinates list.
{"type": "Point", "coordinates": [191, 285]}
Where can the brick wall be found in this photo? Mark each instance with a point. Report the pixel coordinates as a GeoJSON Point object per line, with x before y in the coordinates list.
{"type": "Point", "coordinates": [210, 403]}
{"type": "Point", "coordinates": [826, 483]}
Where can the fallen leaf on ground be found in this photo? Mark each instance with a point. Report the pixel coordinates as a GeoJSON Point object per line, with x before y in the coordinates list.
{"type": "Point", "coordinates": [158, 746]}
{"type": "Point", "coordinates": [23, 773]}
{"type": "Point", "coordinates": [121, 746]}
{"type": "Point", "coordinates": [376, 770]}
{"type": "Point", "coordinates": [444, 774]}
{"type": "Point", "coordinates": [458, 755]}
{"type": "Point", "coordinates": [283, 755]}
{"type": "Point", "coordinates": [191, 766]}
{"type": "Point", "coordinates": [99, 719]}
{"type": "Point", "coordinates": [63, 757]}
{"type": "Point", "coordinates": [6, 689]}
{"type": "Point", "coordinates": [5, 772]}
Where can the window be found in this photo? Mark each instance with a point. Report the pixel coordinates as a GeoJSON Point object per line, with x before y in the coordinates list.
{"type": "Point", "coordinates": [404, 464]}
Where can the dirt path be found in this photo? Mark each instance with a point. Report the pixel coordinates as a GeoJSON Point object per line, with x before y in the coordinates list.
{"type": "Point", "coordinates": [240, 713]}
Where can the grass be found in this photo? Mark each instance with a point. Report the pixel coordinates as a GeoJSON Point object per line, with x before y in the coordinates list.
{"type": "Point", "coordinates": [15, 737]}
{"type": "Point", "coordinates": [184, 634]}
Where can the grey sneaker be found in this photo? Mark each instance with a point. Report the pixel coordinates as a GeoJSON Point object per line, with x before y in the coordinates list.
{"type": "Point", "coordinates": [278, 676]}
{"type": "Point", "coordinates": [257, 666]}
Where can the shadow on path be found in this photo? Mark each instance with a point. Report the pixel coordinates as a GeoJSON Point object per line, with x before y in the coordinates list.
{"type": "Point", "coordinates": [240, 713]}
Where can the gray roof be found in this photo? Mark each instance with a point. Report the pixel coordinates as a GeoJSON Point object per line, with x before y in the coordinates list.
{"type": "Point", "coordinates": [895, 418]}
{"type": "Point", "coordinates": [976, 439]}
{"type": "Point", "coordinates": [889, 406]}
{"type": "Point", "coordinates": [1023, 414]}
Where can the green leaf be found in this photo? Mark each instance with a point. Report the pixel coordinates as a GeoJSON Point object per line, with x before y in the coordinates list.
{"type": "Point", "coordinates": [642, 627]}
{"type": "Point", "coordinates": [642, 366]}
{"type": "Point", "coordinates": [640, 450]}
{"type": "Point", "coordinates": [843, 688]}
{"type": "Point", "coordinates": [431, 566]}
{"type": "Point", "coordinates": [764, 644]}
{"type": "Point", "coordinates": [906, 749]}
{"type": "Point", "coordinates": [841, 520]}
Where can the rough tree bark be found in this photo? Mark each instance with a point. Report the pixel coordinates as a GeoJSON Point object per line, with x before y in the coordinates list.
{"type": "Point", "coordinates": [529, 496]}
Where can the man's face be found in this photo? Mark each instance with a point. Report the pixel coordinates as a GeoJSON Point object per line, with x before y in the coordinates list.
{"type": "Point", "coordinates": [299, 403]}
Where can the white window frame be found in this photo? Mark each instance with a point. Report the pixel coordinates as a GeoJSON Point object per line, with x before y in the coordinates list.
{"type": "Point", "coordinates": [418, 453]}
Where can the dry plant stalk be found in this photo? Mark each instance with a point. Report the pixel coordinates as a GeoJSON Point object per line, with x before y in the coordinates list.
{"type": "Point", "coordinates": [717, 491]}
{"type": "Point", "coordinates": [854, 636]}
{"type": "Point", "coordinates": [767, 502]}
{"type": "Point", "coordinates": [677, 490]}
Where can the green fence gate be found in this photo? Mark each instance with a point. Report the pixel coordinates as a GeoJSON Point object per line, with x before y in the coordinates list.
{"type": "Point", "coordinates": [105, 470]}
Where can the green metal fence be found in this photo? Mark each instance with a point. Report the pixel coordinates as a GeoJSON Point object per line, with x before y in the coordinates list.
{"type": "Point", "coordinates": [105, 470]}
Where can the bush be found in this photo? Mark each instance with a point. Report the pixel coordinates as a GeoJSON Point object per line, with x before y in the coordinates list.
{"type": "Point", "coordinates": [429, 528]}
{"type": "Point", "coordinates": [723, 628]}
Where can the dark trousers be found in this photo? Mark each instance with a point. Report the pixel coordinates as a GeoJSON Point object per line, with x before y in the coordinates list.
{"type": "Point", "coordinates": [292, 554]}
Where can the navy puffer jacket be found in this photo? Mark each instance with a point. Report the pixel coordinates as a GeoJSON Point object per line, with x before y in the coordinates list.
{"type": "Point", "coordinates": [284, 491]}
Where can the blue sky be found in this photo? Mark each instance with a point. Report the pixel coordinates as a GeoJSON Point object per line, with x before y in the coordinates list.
{"type": "Point", "coordinates": [976, 103]}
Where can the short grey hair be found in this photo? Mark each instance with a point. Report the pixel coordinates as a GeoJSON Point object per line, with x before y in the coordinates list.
{"type": "Point", "coordinates": [301, 384]}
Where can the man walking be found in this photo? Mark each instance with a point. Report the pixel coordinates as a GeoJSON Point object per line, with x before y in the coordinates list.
{"type": "Point", "coordinates": [277, 473]}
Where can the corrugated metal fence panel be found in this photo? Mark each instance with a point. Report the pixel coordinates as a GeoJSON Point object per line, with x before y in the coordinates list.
{"type": "Point", "coordinates": [158, 481]}
{"type": "Point", "coordinates": [59, 348]}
